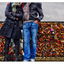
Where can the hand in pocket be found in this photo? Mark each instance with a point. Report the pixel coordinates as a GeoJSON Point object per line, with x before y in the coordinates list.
{"type": "Point", "coordinates": [36, 21]}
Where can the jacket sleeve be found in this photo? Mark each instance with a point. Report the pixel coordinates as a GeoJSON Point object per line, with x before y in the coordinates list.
{"type": "Point", "coordinates": [40, 12]}
{"type": "Point", "coordinates": [17, 14]}
{"type": "Point", "coordinates": [7, 14]}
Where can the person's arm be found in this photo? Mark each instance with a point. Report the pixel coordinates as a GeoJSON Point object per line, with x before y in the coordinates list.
{"type": "Point", "coordinates": [40, 12]}
{"type": "Point", "coordinates": [7, 13]}
{"type": "Point", "coordinates": [16, 14]}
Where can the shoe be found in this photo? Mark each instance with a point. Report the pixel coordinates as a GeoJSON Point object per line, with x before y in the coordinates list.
{"type": "Point", "coordinates": [5, 59]}
{"type": "Point", "coordinates": [32, 60]}
{"type": "Point", "coordinates": [25, 61]}
{"type": "Point", "coordinates": [16, 59]}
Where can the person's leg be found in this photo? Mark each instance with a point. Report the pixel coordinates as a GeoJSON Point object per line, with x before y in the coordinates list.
{"type": "Point", "coordinates": [26, 39]}
{"type": "Point", "coordinates": [17, 44]}
{"type": "Point", "coordinates": [7, 41]}
{"type": "Point", "coordinates": [34, 28]}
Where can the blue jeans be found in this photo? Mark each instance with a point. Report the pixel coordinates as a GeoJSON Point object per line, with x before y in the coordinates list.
{"type": "Point", "coordinates": [30, 30]}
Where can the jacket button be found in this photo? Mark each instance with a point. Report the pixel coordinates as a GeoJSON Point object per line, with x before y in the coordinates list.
{"type": "Point", "coordinates": [14, 25]}
{"type": "Point", "coordinates": [9, 20]}
{"type": "Point", "coordinates": [15, 22]}
{"type": "Point", "coordinates": [19, 11]}
{"type": "Point", "coordinates": [8, 24]}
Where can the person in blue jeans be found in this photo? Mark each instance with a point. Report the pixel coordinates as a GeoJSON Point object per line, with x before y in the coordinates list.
{"type": "Point", "coordinates": [30, 27]}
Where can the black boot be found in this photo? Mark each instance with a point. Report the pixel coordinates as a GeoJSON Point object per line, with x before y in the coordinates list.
{"type": "Point", "coordinates": [6, 58]}
{"type": "Point", "coordinates": [6, 48]}
{"type": "Point", "coordinates": [16, 58]}
{"type": "Point", "coordinates": [17, 44]}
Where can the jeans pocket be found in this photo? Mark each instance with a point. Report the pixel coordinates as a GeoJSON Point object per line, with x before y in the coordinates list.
{"type": "Point", "coordinates": [25, 25]}
{"type": "Point", "coordinates": [35, 23]}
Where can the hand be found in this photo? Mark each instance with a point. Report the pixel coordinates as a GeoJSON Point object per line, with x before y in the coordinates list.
{"type": "Point", "coordinates": [36, 21]}
{"type": "Point", "coordinates": [16, 18]}
{"type": "Point", "coordinates": [10, 12]}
